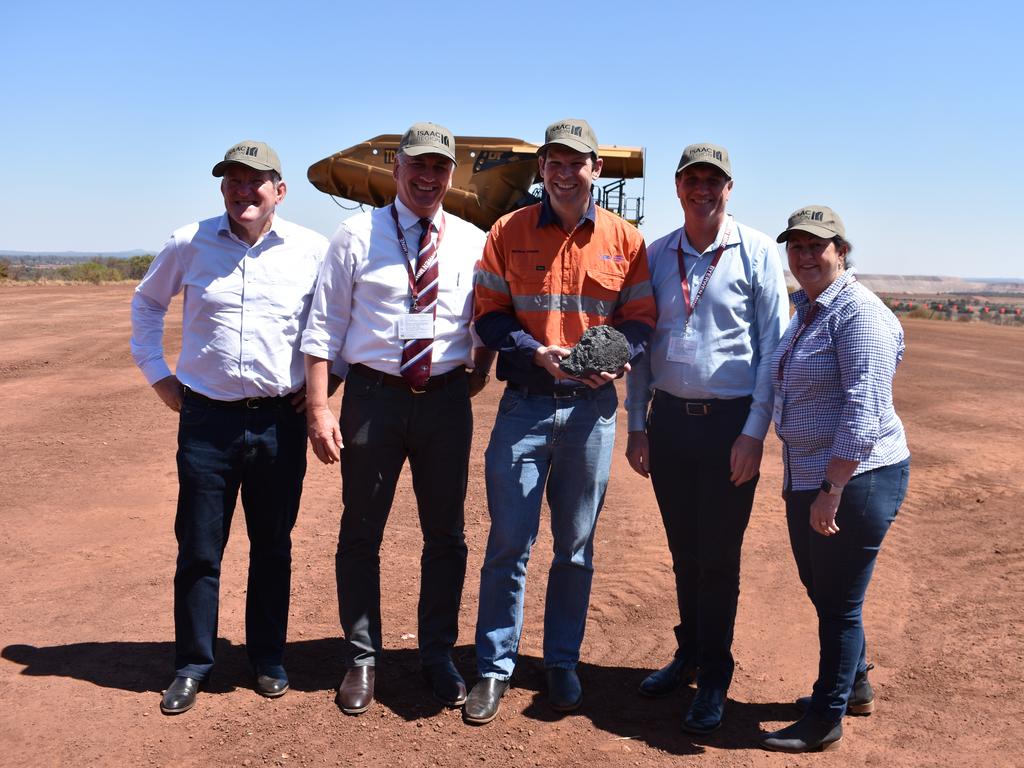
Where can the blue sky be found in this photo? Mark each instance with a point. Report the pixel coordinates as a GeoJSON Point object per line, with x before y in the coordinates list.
{"type": "Point", "coordinates": [906, 118]}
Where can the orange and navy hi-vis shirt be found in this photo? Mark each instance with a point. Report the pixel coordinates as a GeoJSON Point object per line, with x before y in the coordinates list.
{"type": "Point", "coordinates": [538, 285]}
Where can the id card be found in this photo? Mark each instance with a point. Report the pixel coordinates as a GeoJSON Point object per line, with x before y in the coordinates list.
{"type": "Point", "coordinates": [682, 346]}
{"type": "Point", "coordinates": [416, 325]}
{"type": "Point", "coordinates": [777, 410]}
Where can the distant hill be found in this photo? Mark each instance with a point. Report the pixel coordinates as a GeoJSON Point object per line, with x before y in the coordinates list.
{"type": "Point", "coordinates": [931, 284]}
{"type": "Point", "coordinates": [63, 257]}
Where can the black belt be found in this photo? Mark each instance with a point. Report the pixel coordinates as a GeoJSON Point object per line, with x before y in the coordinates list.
{"type": "Point", "coordinates": [703, 407]}
{"type": "Point", "coordinates": [557, 392]}
{"type": "Point", "coordinates": [249, 402]}
{"type": "Point", "coordinates": [387, 380]}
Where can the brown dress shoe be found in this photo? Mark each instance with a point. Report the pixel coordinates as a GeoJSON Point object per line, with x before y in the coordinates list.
{"type": "Point", "coordinates": [355, 694]}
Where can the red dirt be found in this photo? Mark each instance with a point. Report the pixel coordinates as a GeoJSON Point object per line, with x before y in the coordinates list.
{"type": "Point", "coordinates": [87, 490]}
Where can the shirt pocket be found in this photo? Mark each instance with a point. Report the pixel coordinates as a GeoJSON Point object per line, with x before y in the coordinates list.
{"type": "Point", "coordinates": [528, 272]}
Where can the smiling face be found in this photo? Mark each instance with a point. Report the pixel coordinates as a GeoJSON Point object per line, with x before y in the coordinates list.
{"type": "Point", "coordinates": [422, 181]}
{"type": "Point", "coordinates": [568, 176]}
{"type": "Point", "coordinates": [250, 197]}
{"type": "Point", "coordinates": [703, 190]}
{"type": "Point", "coordinates": [814, 261]}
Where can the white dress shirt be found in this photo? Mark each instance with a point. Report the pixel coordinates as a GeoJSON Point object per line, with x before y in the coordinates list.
{"type": "Point", "coordinates": [244, 308]}
{"type": "Point", "coordinates": [364, 288]}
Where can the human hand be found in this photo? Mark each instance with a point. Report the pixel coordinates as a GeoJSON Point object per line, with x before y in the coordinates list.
{"type": "Point", "coordinates": [548, 359]}
{"type": "Point", "coordinates": [298, 400]}
{"type": "Point", "coordinates": [638, 453]}
{"type": "Point", "coordinates": [745, 459]}
{"type": "Point", "coordinates": [171, 391]}
{"type": "Point", "coordinates": [324, 434]}
{"type": "Point", "coordinates": [823, 514]}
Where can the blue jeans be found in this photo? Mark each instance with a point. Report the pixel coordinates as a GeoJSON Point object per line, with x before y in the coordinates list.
{"type": "Point", "coordinates": [836, 571]}
{"type": "Point", "coordinates": [221, 450]}
{"type": "Point", "coordinates": [565, 445]}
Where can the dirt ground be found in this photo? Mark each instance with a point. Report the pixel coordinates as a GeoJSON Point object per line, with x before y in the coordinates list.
{"type": "Point", "coordinates": [87, 494]}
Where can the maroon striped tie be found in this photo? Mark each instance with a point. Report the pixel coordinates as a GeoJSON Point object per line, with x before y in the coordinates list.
{"type": "Point", "coordinates": [417, 352]}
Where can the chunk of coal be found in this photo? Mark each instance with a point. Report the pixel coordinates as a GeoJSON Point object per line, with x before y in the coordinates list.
{"type": "Point", "coordinates": [601, 348]}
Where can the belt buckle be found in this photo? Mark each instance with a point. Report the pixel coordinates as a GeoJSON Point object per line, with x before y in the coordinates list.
{"type": "Point", "coordinates": [564, 394]}
{"type": "Point", "coordinates": [696, 409]}
{"type": "Point", "coordinates": [417, 391]}
{"type": "Point", "coordinates": [252, 403]}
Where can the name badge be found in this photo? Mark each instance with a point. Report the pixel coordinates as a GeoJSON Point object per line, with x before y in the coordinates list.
{"type": "Point", "coordinates": [417, 325]}
{"type": "Point", "coordinates": [777, 410]}
{"type": "Point", "coordinates": [682, 346]}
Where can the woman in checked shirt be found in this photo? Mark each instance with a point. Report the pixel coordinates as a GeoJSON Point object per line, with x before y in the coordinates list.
{"type": "Point", "coordinates": [845, 456]}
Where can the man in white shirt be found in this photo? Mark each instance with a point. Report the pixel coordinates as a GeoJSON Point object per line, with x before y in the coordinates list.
{"type": "Point", "coordinates": [395, 302]}
{"type": "Point", "coordinates": [247, 278]}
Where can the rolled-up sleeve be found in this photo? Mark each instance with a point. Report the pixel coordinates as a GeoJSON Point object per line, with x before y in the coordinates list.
{"type": "Point", "coordinates": [866, 353]}
{"type": "Point", "coordinates": [331, 308]}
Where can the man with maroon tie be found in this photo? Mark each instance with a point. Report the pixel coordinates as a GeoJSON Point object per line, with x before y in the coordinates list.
{"type": "Point", "coordinates": [395, 301]}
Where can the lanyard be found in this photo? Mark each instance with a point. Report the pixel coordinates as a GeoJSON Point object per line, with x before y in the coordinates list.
{"type": "Point", "coordinates": [808, 319]}
{"type": "Point", "coordinates": [414, 277]}
{"type": "Point", "coordinates": [692, 307]}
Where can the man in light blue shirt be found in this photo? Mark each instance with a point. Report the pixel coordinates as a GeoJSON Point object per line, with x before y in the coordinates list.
{"type": "Point", "coordinates": [707, 372]}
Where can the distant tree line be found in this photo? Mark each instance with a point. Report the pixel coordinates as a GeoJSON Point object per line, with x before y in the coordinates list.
{"type": "Point", "coordinates": [101, 269]}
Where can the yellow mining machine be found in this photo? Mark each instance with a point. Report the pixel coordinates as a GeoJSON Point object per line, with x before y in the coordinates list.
{"type": "Point", "coordinates": [494, 176]}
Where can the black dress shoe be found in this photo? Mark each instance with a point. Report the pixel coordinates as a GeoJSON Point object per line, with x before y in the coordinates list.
{"type": "Point", "coordinates": [180, 696]}
{"type": "Point", "coordinates": [271, 687]}
{"type": "Point", "coordinates": [862, 697]}
{"type": "Point", "coordinates": [808, 734]}
{"type": "Point", "coordinates": [445, 681]}
{"type": "Point", "coordinates": [355, 694]}
{"type": "Point", "coordinates": [705, 713]}
{"type": "Point", "coordinates": [564, 690]}
{"type": "Point", "coordinates": [677, 672]}
{"type": "Point", "coordinates": [484, 700]}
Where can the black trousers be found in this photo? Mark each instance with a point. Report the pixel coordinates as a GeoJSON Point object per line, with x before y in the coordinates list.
{"type": "Point", "coordinates": [705, 517]}
{"type": "Point", "coordinates": [261, 451]}
{"type": "Point", "coordinates": [381, 427]}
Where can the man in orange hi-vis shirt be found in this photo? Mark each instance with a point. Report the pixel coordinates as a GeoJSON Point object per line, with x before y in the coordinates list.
{"type": "Point", "coordinates": [549, 272]}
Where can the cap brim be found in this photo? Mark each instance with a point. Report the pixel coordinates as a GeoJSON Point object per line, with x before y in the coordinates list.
{"type": "Point", "coordinates": [722, 168]}
{"type": "Point", "coordinates": [813, 229]}
{"type": "Point", "coordinates": [417, 151]}
{"type": "Point", "coordinates": [219, 168]}
{"type": "Point", "coordinates": [573, 144]}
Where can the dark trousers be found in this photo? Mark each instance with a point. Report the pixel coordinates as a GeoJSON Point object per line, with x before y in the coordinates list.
{"type": "Point", "coordinates": [705, 517]}
{"type": "Point", "coordinates": [263, 452]}
{"type": "Point", "coordinates": [836, 571]}
{"type": "Point", "coordinates": [381, 427]}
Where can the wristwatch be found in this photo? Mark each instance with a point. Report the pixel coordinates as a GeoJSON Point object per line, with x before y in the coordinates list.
{"type": "Point", "coordinates": [827, 486]}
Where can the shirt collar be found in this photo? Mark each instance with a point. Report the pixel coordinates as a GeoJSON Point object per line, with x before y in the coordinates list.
{"type": "Point", "coordinates": [224, 228]}
{"type": "Point", "coordinates": [548, 215]}
{"type": "Point", "coordinates": [408, 219]}
{"type": "Point", "coordinates": [802, 302]}
{"type": "Point", "coordinates": [734, 237]}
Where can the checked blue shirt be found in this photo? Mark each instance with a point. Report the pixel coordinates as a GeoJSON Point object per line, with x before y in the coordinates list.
{"type": "Point", "coordinates": [833, 397]}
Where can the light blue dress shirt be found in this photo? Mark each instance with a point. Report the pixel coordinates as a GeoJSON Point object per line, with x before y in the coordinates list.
{"type": "Point", "coordinates": [737, 323]}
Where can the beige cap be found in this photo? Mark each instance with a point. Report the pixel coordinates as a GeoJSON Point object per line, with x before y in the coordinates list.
{"type": "Point", "coordinates": [577, 135]}
{"type": "Point", "coordinates": [817, 219]}
{"type": "Point", "coordinates": [427, 138]}
{"type": "Point", "coordinates": [712, 154]}
{"type": "Point", "coordinates": [255, 154]}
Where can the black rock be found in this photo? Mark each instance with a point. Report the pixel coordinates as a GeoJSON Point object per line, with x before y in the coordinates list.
{"type": "Point", "coordinates": [600, 348]}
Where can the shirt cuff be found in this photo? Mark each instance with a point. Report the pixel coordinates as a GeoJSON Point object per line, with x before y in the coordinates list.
{"type": "Point", "coordinates": [156, 370]}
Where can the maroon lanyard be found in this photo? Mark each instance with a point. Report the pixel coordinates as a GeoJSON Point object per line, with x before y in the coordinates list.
{"type": "Point", "coordinates": [808, 319]}
{"type": "Point", "coordinates": [691, 308]}
{"type": "Point", "coordinates": [414, 277]}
